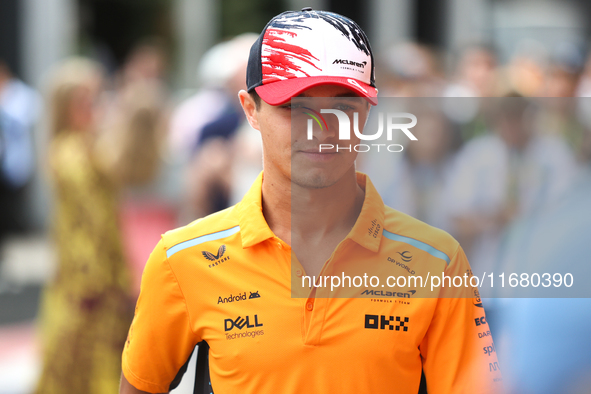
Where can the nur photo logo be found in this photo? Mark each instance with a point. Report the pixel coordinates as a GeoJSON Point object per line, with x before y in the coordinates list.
{"type": "Point", "coordinates": [392, 120]}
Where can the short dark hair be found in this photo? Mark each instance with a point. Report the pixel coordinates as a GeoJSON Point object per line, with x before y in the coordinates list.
{"type": "Point", "coordinates": [256, 98]}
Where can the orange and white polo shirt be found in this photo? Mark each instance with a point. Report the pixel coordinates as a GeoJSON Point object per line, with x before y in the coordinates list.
{"type": "Point", "coordinates": [227, 279]}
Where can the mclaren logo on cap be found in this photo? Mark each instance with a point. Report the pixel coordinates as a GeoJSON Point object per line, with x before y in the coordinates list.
{"type": "Point", "coordinates": [350, 63]}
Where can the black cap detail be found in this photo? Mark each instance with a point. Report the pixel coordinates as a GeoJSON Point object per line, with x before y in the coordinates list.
{"type": "Point", "coordinates": [307, 9]}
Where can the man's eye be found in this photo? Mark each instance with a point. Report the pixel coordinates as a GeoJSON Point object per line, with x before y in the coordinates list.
{"type": "Point", "coordinates": [291, 106]}
{"type": "Point", "coordinates": [343, 107]}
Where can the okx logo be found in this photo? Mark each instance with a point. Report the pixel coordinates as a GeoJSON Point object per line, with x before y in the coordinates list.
{"type": "Point", "coordinates": [392, 124]}
{"type": "Point", "coordinates": [241, 322]}
{"type": "Point", "coordinates": [381, 322]}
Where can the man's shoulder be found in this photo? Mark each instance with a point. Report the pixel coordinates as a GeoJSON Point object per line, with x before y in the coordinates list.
{"type": "Point", "coordinates": [399, 226]}
{"type": "Point", "coordinates": [217, 224]}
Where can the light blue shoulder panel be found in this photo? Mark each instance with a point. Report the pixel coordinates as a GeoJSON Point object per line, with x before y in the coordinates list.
{"type": "Point", "coordinates": [419, 245]}
{"type": "Point", "coordinates": [199, 240]}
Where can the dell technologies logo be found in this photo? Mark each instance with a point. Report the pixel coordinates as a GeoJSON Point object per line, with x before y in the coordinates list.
{"type": "Point", "coordinates": [241, 322]}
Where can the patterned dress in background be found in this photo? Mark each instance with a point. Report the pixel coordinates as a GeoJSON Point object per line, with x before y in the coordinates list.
{"type": "Point", "coordinates": [86, 309]}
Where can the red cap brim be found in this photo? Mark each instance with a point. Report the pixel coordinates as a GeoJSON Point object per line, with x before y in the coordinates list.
{"type": "Point", "coordinates": [277, 93]}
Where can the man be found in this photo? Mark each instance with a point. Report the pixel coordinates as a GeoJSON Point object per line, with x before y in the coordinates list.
{"type": "Point", "coordinates": [19, 111]}
{"type": "Point", "coordinates": [227, 278]}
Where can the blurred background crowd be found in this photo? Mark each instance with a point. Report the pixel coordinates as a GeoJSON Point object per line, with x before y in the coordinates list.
{"type": "Point", "coordinates": [119, 121]}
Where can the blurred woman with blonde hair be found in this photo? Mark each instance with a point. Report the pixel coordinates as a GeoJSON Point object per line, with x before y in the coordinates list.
{"type": "Point", "coordinates": [87, 306]}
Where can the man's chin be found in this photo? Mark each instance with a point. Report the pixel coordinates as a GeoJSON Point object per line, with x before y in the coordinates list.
{"type": "Point", "coordinates": [312, 181]}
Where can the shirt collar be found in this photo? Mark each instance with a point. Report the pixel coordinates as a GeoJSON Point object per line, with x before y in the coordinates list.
{"type": "Point", "coordinates": [253, 226]}
{"type": "Point", "coordinates": [367, 230]}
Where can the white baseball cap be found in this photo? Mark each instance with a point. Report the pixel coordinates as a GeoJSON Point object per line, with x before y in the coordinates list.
{"type": "Point", "coordinates": [298, 50]}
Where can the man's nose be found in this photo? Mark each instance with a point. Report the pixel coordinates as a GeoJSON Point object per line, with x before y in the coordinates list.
{"type": "Point", "coordinates": [323, 129]}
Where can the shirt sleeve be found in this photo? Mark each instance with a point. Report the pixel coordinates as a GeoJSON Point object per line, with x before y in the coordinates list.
{"type": "Point", "coordinates": [160, 338]}
{"type": "Point", "coordinates": [458, 352]}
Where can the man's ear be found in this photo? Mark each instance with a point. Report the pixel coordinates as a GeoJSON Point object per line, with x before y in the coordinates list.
{"type": "Point", "coordinates": [250, 109]}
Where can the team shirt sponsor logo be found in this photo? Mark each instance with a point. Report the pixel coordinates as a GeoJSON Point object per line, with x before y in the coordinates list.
{"type": "Point", "coordinates": [374, 229]}
{"type": "Point", "coordinates": [489, 350]}
{"type": "Point", "coordinates": [241, 323]}
{"type": "Point", "coordinates": [216, 259]}
{"type": "Point", "coordinates": [383, 293]}
{"type": "Point", "coordinates": [350, 63]}
{"type": "Point", "coordinates": [405, 256]}
{"type": "Point", "coordinates": [238, 297]}
{"type": "Point", "coordinates": [484, 334]}
{"type": "Point", "coordinates": [480, 321]}
{"type": "Point", "coordinates": [477, 300]}
{"type": "Point", "coordinates": [401, 265]}
{"type": "Point", "coordinates": [382, 322]}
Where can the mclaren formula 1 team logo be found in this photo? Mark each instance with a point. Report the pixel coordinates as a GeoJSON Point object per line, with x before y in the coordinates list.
{"type": "Point", "coordinates": [216, 259]}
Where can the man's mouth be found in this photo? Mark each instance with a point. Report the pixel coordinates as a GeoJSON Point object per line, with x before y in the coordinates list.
{"type": "Point", "coordinates": [316, 154]}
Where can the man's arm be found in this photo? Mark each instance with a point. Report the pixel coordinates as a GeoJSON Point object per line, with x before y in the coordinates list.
{"type": "Point", "coordinates": [459, 355]}
{"type": "Point", "coordinates": [160, 338]}
{"type": "Point", "coordinates": [127, 388]}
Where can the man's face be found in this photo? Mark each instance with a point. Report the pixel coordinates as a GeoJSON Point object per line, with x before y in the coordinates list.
{"type": "Point", "coordinates": [288, 151]}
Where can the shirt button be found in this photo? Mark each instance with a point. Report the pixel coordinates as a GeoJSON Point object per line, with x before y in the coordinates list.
{"type": "Point", "coordinates": [279, 245]}
{"type": "Point", "coordinates": [299, 273]}
{"type": "Point", "coordinates": [309, 306]}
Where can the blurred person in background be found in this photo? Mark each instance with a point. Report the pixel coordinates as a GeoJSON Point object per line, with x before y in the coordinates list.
{"type": "Point", "coordinates": [147, 61]}
{"type": "Point", "coordinates": [224, 153]}
{"type": "Point", "coordinates": [218, 68]}
{"type": "Point", "coordinates": [137, 100]}
{"type": "Point", "coordinates": [512, 172]}
{"type": "Point", "coordinates": [563, 73]}
{"type": "Point", "coordinates": [476, 73]}
{"type": "Point", "coordinates": [20, 106]}
{"type": "Point", "coordinates": [87, 307]}
{"type": "Point", "coordinates": [564, 70]}
{"type": "Point", "coordinates": [411, 70]}
{"type": "Point", "coordinates": [515, 170]}
{"type": "Point", "coordinates": [419, 180]}
{"type": "Point", "coordinates": [584, 83]}
{"type": "Point", "coordinates": [524, 74]}
{"type": "Point", "coordinates": [137, 103]}
{"type": "Point", "coordinates": [544, 344]}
